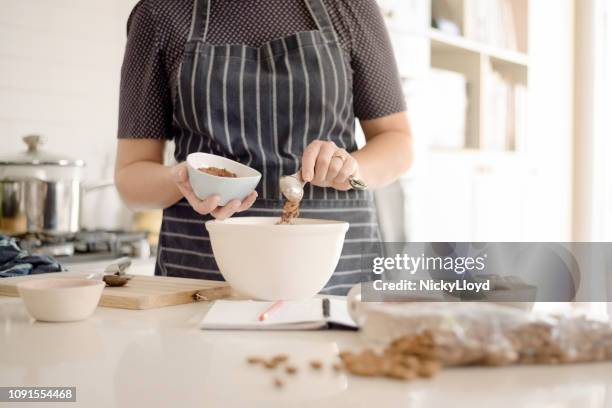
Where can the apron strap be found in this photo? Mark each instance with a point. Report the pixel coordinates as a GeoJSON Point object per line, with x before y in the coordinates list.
{"type": "Point", "coordinates": [199, 20]}
{"type": "Point", "coordinates": [321, 17]}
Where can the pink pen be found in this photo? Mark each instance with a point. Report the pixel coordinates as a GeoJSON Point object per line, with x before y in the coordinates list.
{"type": "Point", "coordinates": [277, 305]}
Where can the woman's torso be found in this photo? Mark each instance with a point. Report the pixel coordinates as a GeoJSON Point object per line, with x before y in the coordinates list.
{"type": "Point", "coordinates": [158, 31]}
{"type": "Point", "coordinates": [290, 89]}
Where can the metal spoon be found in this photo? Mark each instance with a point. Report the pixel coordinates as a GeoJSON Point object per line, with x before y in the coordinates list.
{"type": "Point", "coordinates": [115, 273]}
{"type": "Point", "coordinates": [116, 280]}
{"type": "Point", "coordinates": [292, 186]}
{"type": "Point", "coordinates": [119, 266]}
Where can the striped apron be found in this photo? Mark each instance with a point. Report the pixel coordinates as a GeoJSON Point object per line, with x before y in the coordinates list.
{"type": "Point", "coordinates": [262, 106]}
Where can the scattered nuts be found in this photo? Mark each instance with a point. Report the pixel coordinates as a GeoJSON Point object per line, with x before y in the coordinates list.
{"type": "Point", "coordinates": [423, 354]}
{"type": "Point", "coordinates": [316, 365]}
{"type": "Point", "coordinates": [270, 365]}
{"type": "Point", "coordinates": [281, 358]}
{"type": "Point", "coordinates": [255, 360]}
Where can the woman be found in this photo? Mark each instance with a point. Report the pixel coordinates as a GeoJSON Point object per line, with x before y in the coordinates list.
{"type": "Point", "coordinates": [275, 85]}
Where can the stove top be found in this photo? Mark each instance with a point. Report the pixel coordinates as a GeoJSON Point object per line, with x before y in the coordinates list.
{"type": "Point", "coordinates": [88, 246]}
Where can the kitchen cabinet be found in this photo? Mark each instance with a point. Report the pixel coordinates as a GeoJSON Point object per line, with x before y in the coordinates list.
{"type": "Point", "coordinates": [441, 207]}
{"type": "Point", "coordinates": [498, 205]}
{"type": "Point", "coordinates": [466, 198]}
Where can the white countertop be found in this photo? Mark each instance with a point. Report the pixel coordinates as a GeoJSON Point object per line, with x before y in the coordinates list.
{"type": "Point", "coordinates": [158, 358]}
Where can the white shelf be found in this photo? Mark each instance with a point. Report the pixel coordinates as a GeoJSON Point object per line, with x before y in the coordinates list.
{"type": "Point", "coordinates": [443, 42]}
{"type": "Point", "coordinates": [474, 193]}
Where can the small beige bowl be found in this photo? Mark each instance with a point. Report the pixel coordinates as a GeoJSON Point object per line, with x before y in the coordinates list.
{"type": "Point", "coordinates": [227, 188]}
{"type": "Point", "coordinates": [61, 299]}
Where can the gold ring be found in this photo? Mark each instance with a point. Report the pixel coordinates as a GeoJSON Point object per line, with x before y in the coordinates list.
{"type": "Point", "coordinates": [339, 156]}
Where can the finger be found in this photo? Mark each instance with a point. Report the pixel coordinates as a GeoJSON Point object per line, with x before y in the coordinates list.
{"type": "Point", "coordinates": [222, 213]}
{"type": "Point", "coordinates": [179, 173]}
{"type": "Point", "coordinates": [309, 159]}
{"type": "Point", "coordinates": [181, 178]}
{"type": "Point", "coordinates": [323, 161]}
{"type": "Point", "coordinates": [349, 168]}
{"type": "Point", "coordinates": [185, 186]}
{"type": "Point", "coordinates": [337, 162]}
{"type": "Point", "coordinates": [188, 193]}
{"type": "Point", "coordinates": [202, 207]}
{"type": "Point", "coordinates": [248, 202]}
{"type": "Point", "coordinates": [207, 206]}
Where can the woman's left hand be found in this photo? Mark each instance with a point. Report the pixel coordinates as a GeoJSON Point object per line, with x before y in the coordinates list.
{"type": "Point", "coordinates": [326, 165]}
{"type": "Point", "coordinates": [210, 204]}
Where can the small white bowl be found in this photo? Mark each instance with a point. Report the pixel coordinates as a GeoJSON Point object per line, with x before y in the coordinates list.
{"type": "Point", "coordinates": [61, 299]}
{"type": "Point", "coordinates": [228, 188]}
{"type": "Point", "coordinates": [265, 261]}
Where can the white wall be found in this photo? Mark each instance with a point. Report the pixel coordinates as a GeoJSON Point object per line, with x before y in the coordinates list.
{"type": "Point", "coordinates": [59, 77]}
{"type": "Point", "coordinates": [606, 218]}
{"type": "Point", "coordinates": [593, 94]}
{"type": "Point", "coordinates": [551, 101]}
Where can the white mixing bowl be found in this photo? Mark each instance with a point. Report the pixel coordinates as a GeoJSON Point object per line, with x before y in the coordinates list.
{"type": "Point", "coordinates": [61, 299]}
{"type": "Point", "coordinates": [265, 261]}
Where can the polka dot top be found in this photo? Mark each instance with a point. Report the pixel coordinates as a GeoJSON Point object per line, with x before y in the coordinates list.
{"type": "Point", "coordinates": [158, 30]}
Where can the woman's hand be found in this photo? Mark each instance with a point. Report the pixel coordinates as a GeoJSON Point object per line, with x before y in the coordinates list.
{"type": "Point", "coordinates": [326, 165]}
{"type": "Point", "coordinates": [211, 204]}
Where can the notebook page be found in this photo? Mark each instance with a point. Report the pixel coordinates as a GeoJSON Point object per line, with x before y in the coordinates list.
{"type": "Point", "coordinates": [339, 314]}
{"type": "Point", "coordinates": [228, 314]}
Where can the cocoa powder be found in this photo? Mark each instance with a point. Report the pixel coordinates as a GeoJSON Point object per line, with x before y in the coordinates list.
{"type": "Point", "coordinates": [219, 172]}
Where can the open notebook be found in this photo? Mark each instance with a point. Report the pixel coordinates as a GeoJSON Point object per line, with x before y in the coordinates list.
{"type": "Point", "coordinates": [309, 314]}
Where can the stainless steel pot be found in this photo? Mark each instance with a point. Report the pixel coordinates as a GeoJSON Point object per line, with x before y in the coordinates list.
{"type": "Point", "coordinates": [39, 191]}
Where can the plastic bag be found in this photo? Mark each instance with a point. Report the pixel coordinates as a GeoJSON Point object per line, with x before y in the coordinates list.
{"type": "Point", "coordinates": [458, 334]}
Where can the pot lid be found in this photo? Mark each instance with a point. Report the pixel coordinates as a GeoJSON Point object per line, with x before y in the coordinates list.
{"type": "Point", "coordinates": [34, 155]}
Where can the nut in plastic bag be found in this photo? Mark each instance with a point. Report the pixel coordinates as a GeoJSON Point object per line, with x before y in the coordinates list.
{"type": "Point", "coordinates": [458, 334]}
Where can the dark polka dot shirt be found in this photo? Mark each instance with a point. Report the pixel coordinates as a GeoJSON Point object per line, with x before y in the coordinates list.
{"type": "Point", "coordinates": [158, 30]}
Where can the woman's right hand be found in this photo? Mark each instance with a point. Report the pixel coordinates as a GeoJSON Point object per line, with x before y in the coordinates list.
{"type": "Point", "coordinates": [211, 204]}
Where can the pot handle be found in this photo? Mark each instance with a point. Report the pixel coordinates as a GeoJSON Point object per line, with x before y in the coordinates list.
{"type": "Point", "coordinates": [33, 142]}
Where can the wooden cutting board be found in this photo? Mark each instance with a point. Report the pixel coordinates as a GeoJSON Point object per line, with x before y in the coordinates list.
{"type": "Point", "coordinates": [141, 292]}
